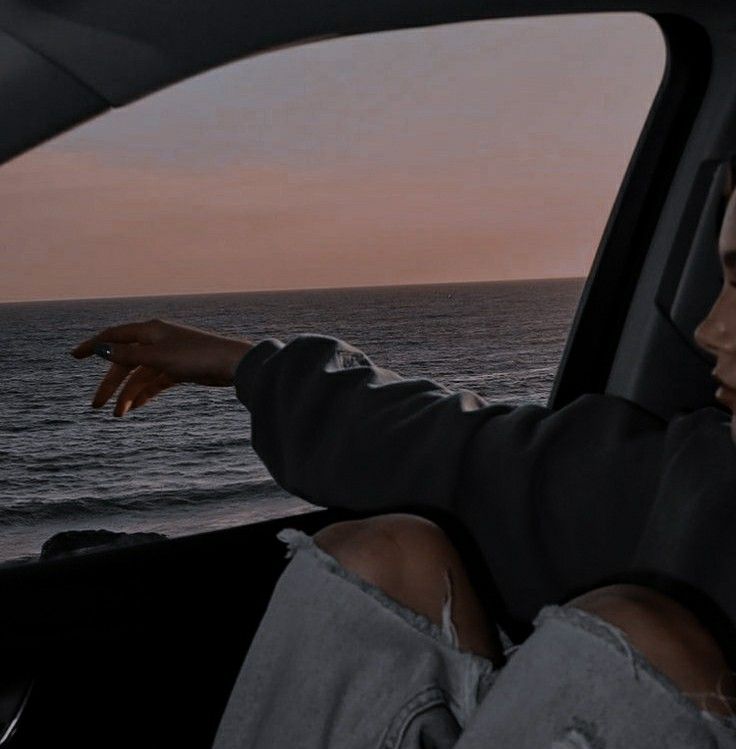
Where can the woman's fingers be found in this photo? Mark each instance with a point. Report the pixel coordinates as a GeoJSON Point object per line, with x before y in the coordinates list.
{"type": "Point", "coordinates": [136, 332]}
{"type": "Point", "coordinates": [124, 358]}
{"type": "Point", "coordinates": [141, 377]}
{"type": "Point", "coordinates": [162, 382]}
{"type": "Point", "coordinates": [142, 385]}
{"type": "Point", "coordinates": [110, 383]}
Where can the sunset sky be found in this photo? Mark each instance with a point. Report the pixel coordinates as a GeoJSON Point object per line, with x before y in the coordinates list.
{"type": "Point", "coordinates": [478, 151]}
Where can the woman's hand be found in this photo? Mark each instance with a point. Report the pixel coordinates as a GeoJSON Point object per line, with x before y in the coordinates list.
{"type": "Point", "coordinates": [155, 355]}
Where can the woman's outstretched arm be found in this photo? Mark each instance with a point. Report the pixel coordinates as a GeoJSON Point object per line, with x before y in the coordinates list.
{"type": "Point", "coordinates": [555, 500]}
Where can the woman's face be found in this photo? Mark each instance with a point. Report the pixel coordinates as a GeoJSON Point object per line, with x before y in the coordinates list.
{"type": "Point", "coordinates": [717, 332]}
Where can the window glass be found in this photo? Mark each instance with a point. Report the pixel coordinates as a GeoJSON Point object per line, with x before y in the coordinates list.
{"type": "Point", "coordinates": [433, 196]}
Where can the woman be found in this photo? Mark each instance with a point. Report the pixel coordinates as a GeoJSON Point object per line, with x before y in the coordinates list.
{"type": "Point", "coordinates": [391, 645]}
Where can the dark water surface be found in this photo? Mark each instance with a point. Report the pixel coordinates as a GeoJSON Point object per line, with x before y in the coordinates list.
{"type": "Point", "coordinates": [183, 463]}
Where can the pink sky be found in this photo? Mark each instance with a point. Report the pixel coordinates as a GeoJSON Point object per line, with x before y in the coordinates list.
{"type": "Point", "coordinates": [491, 150]}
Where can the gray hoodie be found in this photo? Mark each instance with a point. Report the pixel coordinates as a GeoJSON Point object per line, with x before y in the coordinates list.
{"type": "Point", "coordinates": [557, 501]}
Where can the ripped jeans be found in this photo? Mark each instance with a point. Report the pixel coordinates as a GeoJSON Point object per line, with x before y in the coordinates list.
{"type": "Point", "coordinates": [338, 664]}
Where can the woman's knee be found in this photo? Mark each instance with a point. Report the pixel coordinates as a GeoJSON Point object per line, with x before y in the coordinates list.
{"type": "Point", "coordinates": [412, 560]}
{"type": "Point", "coordinates": [670, 636]}
{"type": "Point", "coordinates": [387, 550]}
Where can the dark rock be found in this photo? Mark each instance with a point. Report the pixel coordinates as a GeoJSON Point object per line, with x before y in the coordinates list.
{"type": "Point", "coordinates": [74, 542]}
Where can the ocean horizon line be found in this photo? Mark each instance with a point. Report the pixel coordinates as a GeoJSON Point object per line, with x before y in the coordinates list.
{"type": "Point", "coordinates": [289, 290]}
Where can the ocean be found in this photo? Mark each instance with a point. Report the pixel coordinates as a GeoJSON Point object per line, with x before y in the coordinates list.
{"type": "Point", "coordinates": [183, 463]}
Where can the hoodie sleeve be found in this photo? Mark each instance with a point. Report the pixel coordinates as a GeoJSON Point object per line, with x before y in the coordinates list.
{"type": "Point", "coordinates": [338, 431]}
{"type": "Point", "coordinates": [553, 498]}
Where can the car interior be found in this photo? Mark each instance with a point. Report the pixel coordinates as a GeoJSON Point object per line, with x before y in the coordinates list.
{"type": "Point", "coordinates": [140, 646]}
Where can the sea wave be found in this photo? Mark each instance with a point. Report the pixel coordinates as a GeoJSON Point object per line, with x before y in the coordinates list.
{"type": "Point", "coordinates": [35, 510]}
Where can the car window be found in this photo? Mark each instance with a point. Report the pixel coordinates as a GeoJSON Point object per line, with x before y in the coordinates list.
{"type": "Point", "coordinates": [434, 196]}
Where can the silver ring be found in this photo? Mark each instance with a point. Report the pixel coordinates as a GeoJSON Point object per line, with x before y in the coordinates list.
{"type": "Point", "coordinates": [103, 349]}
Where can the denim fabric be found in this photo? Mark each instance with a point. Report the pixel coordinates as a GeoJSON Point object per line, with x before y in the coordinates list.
{"type": "Point", "coordinates": [338, 664]}
{"type": "Point", "coordinates": [577, 683]}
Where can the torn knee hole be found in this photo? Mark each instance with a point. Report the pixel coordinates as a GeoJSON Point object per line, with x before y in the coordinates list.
{"type": "Point", "coordinates": [448, 628]}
